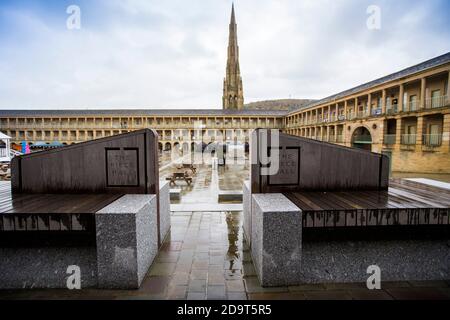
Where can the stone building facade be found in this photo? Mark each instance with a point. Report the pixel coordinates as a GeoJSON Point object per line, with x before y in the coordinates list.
{"type": "Point", "coordinates": [405, 115]}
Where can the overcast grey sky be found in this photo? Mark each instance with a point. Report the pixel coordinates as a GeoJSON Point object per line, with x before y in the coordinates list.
{"type": "Point", "coordinates": [172, 53]}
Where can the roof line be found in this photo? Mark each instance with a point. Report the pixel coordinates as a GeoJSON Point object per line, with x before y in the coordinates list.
{"type": "Point", "coordinates": [428, 64]}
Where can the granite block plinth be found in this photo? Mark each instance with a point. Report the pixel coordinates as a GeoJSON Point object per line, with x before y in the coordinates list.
{"type": "Point", "coordinates": [127, 241]}
{"type": "Point", "coordinates": [164, 209]}
{"type": "Point", "coordinates": [247, 211]}
{"type": "Point", "coordinates": [276, 239]}
{"type": "Point", "coordinates": [398, 260]}
{"type": "Point", "coordinates": [46, 267]}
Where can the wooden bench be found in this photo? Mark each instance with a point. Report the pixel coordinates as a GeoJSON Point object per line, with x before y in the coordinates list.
{"type": "Point", "coordinates": [188, 166]}
{"type": "Point", "coordinates": [177, 176]}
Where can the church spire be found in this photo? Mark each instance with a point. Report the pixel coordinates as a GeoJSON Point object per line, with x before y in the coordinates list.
{"type": "Point", "coordinates": [233, 95]}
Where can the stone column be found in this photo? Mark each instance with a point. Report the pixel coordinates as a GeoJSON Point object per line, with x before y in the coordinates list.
{"type": "Point", "coordinates": [383, 101]}
{"type": "Point", "coordinates": [423, 86]}
{"type": "Point", "coordinates": [446, 133]}
{"type": "Point", "coordinates": [419, 132]}
{"type": "Point", "coordinates": [398, 133]}
{"type": "Point", "coordinates": [448, 88]}
{"type": "Point", "coordinates": [328, 134]}
{"type": "Point", "coordinates": [337, 112]}
{"type": "Point", "coordinates": [345, 109]}
{"type": "Point", "coordinates": [369, 103]}
{"type": "Point", "coordinates": [400, 99]}
{"type": "Point", "coordinates": [356, 107]}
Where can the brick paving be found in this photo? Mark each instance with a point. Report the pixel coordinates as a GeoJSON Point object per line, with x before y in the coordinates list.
{"type": "Point", "coordinates": [205, 257]}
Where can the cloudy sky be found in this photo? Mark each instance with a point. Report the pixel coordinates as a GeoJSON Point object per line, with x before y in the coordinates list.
{"type": "Point", "coordinates": [172, 53]}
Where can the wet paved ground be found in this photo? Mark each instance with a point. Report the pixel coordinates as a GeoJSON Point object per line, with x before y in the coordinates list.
{"type": "Point", "coordinates": [207, 182]}
{"type": "Point", "coordinates": [205, 257]}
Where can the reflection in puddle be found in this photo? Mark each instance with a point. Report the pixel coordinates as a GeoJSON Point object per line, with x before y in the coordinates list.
{"type": "Point", "coordinates": [233, 223]}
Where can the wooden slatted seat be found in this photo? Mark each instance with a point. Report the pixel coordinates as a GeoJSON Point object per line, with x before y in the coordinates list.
{"type": "Point", "coordinates": [405, 203]}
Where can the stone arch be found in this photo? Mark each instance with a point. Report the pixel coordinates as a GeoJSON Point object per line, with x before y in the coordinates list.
{"type": "Point", "coordinates": [362, 138]}
{"type": "Point", "coordinates": [167, 146]}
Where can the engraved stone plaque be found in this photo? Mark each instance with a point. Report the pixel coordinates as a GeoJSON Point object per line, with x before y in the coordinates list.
{"type": "Point", "coordinates": [122, 167]}
{"type": "Point", "coordinates": [289, 168]}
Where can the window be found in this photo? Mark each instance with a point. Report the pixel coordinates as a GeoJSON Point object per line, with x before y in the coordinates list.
{"type": "Point", "coordinates": [410, 136]}
{"type": "Point", "coordinates": [434, 138]}
{"type": "Point", "coordinates": [413, 103]}
{"type": "Point", "coordinates": [436, 99]}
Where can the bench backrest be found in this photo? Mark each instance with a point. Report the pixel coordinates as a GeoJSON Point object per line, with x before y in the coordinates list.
{"type": "Point", "coordinates": [125, 164]}
{"type": "Point", "coordinates": [310, 165]}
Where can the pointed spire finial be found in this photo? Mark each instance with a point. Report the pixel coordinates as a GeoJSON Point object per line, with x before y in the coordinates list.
{"type": "Point", "coordinates": [233, 19]}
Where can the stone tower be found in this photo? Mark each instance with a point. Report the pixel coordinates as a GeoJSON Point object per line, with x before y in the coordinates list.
{"type": "Point", "coordinates": [233, 93]}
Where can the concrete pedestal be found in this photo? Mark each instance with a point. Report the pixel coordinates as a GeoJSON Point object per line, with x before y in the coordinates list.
{"type": "Point", "coordinates": [127, 241]}
{"type": "Point", "coordinates": [247, 211]}
{"type": "Point", "coordinates": [164, 209]}
{"type": "Point", "coordinates": [276, 239]}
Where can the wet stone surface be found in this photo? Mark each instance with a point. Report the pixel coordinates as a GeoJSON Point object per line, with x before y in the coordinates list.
{"type": "Point", "coordinates": [205, 257]}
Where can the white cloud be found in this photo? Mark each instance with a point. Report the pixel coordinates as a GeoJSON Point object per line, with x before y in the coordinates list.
{"type": "Point", "coordinates": [172, 54]}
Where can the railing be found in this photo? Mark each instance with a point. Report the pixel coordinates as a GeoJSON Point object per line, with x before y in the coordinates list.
{"type": "Point", "coordinates": [392, 109]}
{"type": "Point", "coordinates": [377, 112]}
{"type": "Point", "coordinates": [436, 102]}
{"type": "Point", "coordinates": [411, 106]}
{"type": "Point", "coordinates": [389, 139]}
{"type": "Point", "coordinates": [409, 139]}
{"type": "Point", "coordinates": [3, 153]}
{"type": "Point", "coordinates": [362, 139]}
{"type": "Point", "coordinates": [341, 118]}
{"type": "Point", "coordinates": [363, 114]}
{"type": "Point", "coordinates": [432, 140]}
